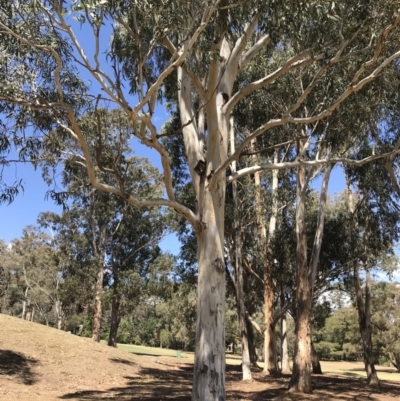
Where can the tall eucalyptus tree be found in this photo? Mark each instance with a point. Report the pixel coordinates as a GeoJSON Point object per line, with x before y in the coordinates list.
{"type": "Point", "coordinates": [196, 49]}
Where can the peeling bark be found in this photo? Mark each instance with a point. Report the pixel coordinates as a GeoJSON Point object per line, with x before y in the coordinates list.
{"type": "Point", "coordinates": [301, 375]}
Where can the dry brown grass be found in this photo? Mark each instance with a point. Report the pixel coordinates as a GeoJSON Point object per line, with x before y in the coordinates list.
{"type": "Point", "coordinates": [41, 363]}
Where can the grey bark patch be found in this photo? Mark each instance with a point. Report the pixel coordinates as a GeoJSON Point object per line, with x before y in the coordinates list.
{"type": "Point", "coordinates": [205, 369]}
{"type": "Point", "coordinates": [218, 264]}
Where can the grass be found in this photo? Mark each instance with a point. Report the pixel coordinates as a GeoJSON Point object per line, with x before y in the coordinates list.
{"type": "Point", "coordinates": [356, 369]}
{"type": "Point", "coordinates": [340, 368]}
{"type": "Point", "coordinates": [141, 350]}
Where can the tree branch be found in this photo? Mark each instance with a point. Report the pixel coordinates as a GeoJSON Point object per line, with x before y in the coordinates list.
{"type": "Point", "coordinates": [312, 163]}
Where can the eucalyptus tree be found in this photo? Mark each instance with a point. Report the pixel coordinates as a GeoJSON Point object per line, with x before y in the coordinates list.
{"type": "Point", "coordinates": [374, 219]}
{"type": "Point", "coordinates": [107, 235]}
{"type": "Point", "coordinates": [385, 317]}
{"type": "Point", "coordinates": [33, 281]}
{"type": "Point", "coordinates": [198, 47]}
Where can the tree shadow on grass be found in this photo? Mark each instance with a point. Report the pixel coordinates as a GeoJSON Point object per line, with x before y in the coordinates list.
{"type": "Point", "coordinates": [175, 383]}
{"type": "Point", "coordinates": [122, 361]}
{"type": "Point", "coordinates": [150, 385]}
{"type": "Point", "coordinates": [18, 365]}
{"type": "Point", "coordinates": [378, 370]}
{"type": "Point", "coordinates": [158, 356]}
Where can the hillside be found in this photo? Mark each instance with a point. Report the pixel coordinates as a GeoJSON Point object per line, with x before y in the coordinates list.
{"type": "Point", "coordinates": [42, 363]}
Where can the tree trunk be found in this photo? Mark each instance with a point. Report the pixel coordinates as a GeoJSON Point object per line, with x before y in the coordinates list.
{"type": "Point", "coordinates": [59, 314]}
{"type": "Point", "coordinates": [270, 361]}
{"type": "Point", "coordinates": [314, 260]}
{"type": "Point", "coordinates": [364, 319]}
{"type": "Point", "coordinates": [285, 367]}
{"type": "Point", "coordinates": [363, 307]}
{"type": "Point", "coordinates": [301, 375]}
{"type": "Point", "coordinates": [23, 314]}
{"type": "Point", "coordinates": [210, 188]}
{"type": "Point", "coordinates": [394, 358]}
{"type": "Point", "coordinates": [25, 303]}
{"type": "Point", "coordinates": [209, 366]}
{"type": "Point", "coordinates": [316, 366]}
{"type": "Point", "coordinates": [252, 346]}
{"type": "Point", "coordinates": [246, 370]}
{"type": "Point", "coordinates": [115, 317]}
{"type": "Point", "coordinates": [97, 303]}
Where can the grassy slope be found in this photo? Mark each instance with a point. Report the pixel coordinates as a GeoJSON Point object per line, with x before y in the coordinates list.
{"type": "Point", "coordinates": [41, 363]}
{"type": "Point", "coordinates": [35, 356]}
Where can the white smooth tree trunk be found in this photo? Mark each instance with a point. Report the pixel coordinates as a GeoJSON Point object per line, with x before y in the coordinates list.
{"type": "Point", "coordinates": [209, 366]}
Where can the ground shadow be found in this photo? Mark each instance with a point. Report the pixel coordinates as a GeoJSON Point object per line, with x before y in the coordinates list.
{"type": "Point", "coordinates": [175, 383]}
{"type": "Point", "coordinates": [158, 356]}
{"type": "Point", "coordinates": [379, 370]}
{"type": "Point", "coordinates": [122, 361]}
{"type": "Point", "coordinates": [18, 365]}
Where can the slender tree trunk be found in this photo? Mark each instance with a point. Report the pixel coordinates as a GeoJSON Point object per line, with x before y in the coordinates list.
{"type": "Point", "coordinates": [23, 314]}
{"type": "Point", "coordinates": [301, 375]}
{"type": "Point", "coordinates": [97, 303]}
{"type": "Point", "coordinates": [246, 363]}
{"type": "Point", "coordinates": [316, 250]}
{"type": "Point", "coordinates": [115, 317]}
{"type": "Point", "coordinates": [364, 319]}
{"type": "Point", "coordinates": [25, 303]}
{"type": "Point", "coordinates": [363, 307]}
{"type": "Point", "coordinates": [252, 346]}
{"type": "Point", "coordinates": [316, 366]}
{"type": "Point", "coordinates": [59, 314]}
{"type": "Point", "coordinates": [270, 360]}
{"type": "Point", "coordinates": [285, 368]}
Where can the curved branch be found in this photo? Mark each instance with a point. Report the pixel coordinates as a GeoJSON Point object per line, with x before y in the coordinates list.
{"type": "Point", "coordinates": [311, 163]}
{"type": "Point", "coordinates": [352, 88]}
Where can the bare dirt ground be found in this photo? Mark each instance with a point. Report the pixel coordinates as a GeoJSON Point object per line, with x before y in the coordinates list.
{"type": "Point", "coordinates": [40, 363]}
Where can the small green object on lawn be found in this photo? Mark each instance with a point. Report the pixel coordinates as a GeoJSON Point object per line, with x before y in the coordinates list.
{"type": "Point", "coordinates": [178, 354]}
